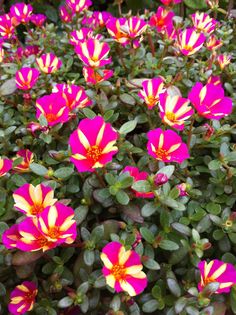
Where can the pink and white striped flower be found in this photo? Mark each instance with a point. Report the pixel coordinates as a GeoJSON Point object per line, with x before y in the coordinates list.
{"type": "Point", "coordinates": [166, 146]}
{"type": "Point", "coordinates": [77, 6]}
{"type": "Point", "coordinates": [123, 269]}
{"type": "Point", "coordinates": [53, 107]}
{"type": "Point", "coordinates": [152, 88]}
{"type": "Point", "coordinates": [10, 237]}
{"type": "Point", "coordinates": [74, 95]}
{"type": "Point", "coordinates": [38, 19]}
{"type": "Point", "coordinates": [32, 200]}
{"type": "Point", "coordinates": [213, 43]}
{"type": "Point", "coordinates": [21, 13]}
{"type": "Point", "coordinates": [92, 144]}
{"type": "Point", "coordinates": [26, 78]}
{"type": "Point", "coordinates": [224, 60]}
{"type": "Point", "coordinates": [22, 298]}
{"type": "Point", "coordinates": [64, 14]}
{"type": "Point", "coordinates": [190, 41]}
{"type": "Point", "coordinates": [210, 101]}
{"type": "Point", "coordinates": [93, 53]}
{"type": "Point", "coordinates": [82, 35]}
{"type": "Point", "coordinates": [48, 63]}
{"type": "Point", "coordinates": [203, 22]}
{"type": "Point", "coordinates": [28, 158]}
{"type": "Point", "coordinates": [174, 110]}
{"type": "Point", "coordinates": [6, 27]}
{"type": "Point", "coordinates": [162, 19]}
{"type": "Point", "coordinates": [5, 166]}
{"type": "Point", "coordinates": [93, 76]}
{"type": "Point", "coordinates": [118, 30]}
{"type": "Point", "coordinates": [97, 19]}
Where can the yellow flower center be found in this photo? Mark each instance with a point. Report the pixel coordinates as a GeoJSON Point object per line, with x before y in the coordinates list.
{"type": "Point", "coordinates": [161, 154]}
{"type": "Point", "coordinates": [54, 232]}
{"type": "Point", "coordinates": [188, 47]}
{"type": "Point", "coordinates": [170, 116]}
{"type": "Point", "coordinates": [209, 280]}
{"type": "Point", "coordinates": [51, 117]}
{"type": "Point", "coordinates": [152, 100]}
{"type": "Point", "coordinates": [118, 272]}
{"type": "Point", "coordinates": [36, 209]}
{"type": "Point", "coordinates": [95, 58]}
{"type": "Point", "coordinates": [94, 153]}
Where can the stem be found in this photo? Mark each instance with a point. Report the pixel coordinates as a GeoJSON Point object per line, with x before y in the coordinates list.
{"type": "Point", "coordinates": [100, 179]}
{"type": "Point", "coordinates": [151, 44]}
{"type": "Point", "coordinates": [190, 133]}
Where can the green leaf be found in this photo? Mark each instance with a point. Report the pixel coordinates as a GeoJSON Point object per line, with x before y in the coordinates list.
{"type": "Point", "coordinates": [80, 214]}
{"type": "Point", "coordinates": [174, 287]}
{"type": "Point", "coordinates": [122, 197]}
{"type": "Point", "coordinates": [63, 172]}
{"type": "Point", "coordinates": [172, 203]}
{"type": "Point", "coordinates": [233, 299]}
{"type": "Point", "coordinates": [142, 186]}
{"type": "Point", "coordinates": [167, 170]}
{"type": "Point", "coordinates": [150, 306]}
{"type": "Point", "coordinates": [214, 165]}
{"type": "Point", "coordinates": [38, 169]}
{"type": "Point", "coordinates": [128, 127]}
{"type": "Point", "coordinates": [147, 235]}
{"type": "Point", "coordinates": [110, 179]}
{"type": "Point", "coordinates": [181, 228]}
{"type": "Point", "coordinates": [8, 87]}
{"type": "Point", "coordinates": [51, 13]}
{"type": "Point", "coordinates": [127, 99]}
{"type": "Point", "coordinates": [148, 209]}
{"type": "Point", "coordinates": [213, 208]}
{"type": "Point", "coordinates": [89, 257]}
{"type": "Point", "coordinates": [196, 5]}
{"type": "Point", "coordinates": [168, 245]}
{"type": "Point", "coordinates": [65, 302]}
{"type": "Point", "coordinates": [126, 182]}
{"type": "Point", "coordinates": [89, 113]}
{"type": "Point", "coordinates": [151, 264]}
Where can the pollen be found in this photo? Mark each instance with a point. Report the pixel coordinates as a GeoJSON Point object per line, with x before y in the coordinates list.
{"type": "Point", "coordinates": [94, 153]}
{"type": "Point", "coordinates": [51, 117]}
{"type": "Point", "coordinates": [170, 116]}
{"type": "Point", "coordinates": [152, 100]}
{"type": "Point", "coordinates": [118, 272]}
{"type": "Point", "coordinates": [54, 232]}
{"type": "Point", "coordinates": [161, 154]}
{"type": "Point", "coordinates": [36, 209]}
{"type": "Point", "coordinates": [188, 47]}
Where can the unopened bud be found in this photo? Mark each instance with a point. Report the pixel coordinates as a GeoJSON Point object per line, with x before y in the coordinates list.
{"type": "Point", "coordinates": [160, 179]}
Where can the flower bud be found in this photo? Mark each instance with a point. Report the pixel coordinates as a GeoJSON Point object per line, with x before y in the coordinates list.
{"type": "Point", "coordinates": [160, 179]}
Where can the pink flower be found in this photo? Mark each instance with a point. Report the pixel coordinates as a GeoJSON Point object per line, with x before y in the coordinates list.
{"type": "Point", "coordinates": [166, 146]}
{"type": "Point", "coordinates": [162, 19]}
{"type": "Point", "coordinates": [97, 19]}
{"type": "Point", "coordinates": [23, 298]}
{"type": "Point", "coordinates": [182, 189]}
{"type": "Point", "coordinates": [48, 63]}
{"type": "Point", "coordinates": [190, 41]}
{"type": "Point", "coordinates": [93, 77]}
{"type": "Point", "coordinates": [5, 166]}
{"type": "Point", "coordinates": [134, 172]}
{"type": "Point", "coordinates": [52, 227]}
{"type": "Point", "coordinates": [213, 4]}
{"type": "Point", "coordinates": [117, 28]}
{"type": "Point", "coordinates": [92, 144]}
{"type": "Point", "coordinates": [1, 53]}
{"type": "Point", "coordinates": [170, 2]}
{"type": "Point", "coordinates": [38, 19]}
{"type": "Point", "coordinates": [27, 51]}
{"type": "Point", "coordinates": [74, 95]}
{"type": "Point", "coordinates": [209, 101]}
{"type": "Point", "coordinates": [217, 271]}
{"type": "Point", "coordinates": [6, 27]}
{"type": "Point", "coordinates": [28, 158]}
{"type": "Point", "coordinates": [53, 107]}
{"type": "Point", "coordinates": [214, 80]}
{"type": "Point", "coordinates": [77, 6]}
{"type": "Point", "coordinates": [10, 237]}
{"type": "Point", "coordinates": [160, 179]}
{"type": "Point", "coordinates": [213, 43]}
{"type": "Point", "coordinates": [26, 78]}
{"type": "Point", "coordinates": [174, 110]}
{"type": "Point", "coordinates": [32, 200]}
{"type": "Point", "coordinates": [203, 22]}
{"type": "Point", "coordinates": [123, 269]}
{"type": "Point", "coordinates": [93, 53]}
{"type": "Point", "coordinates": [82, 35]}
{"type": "Point", "coordinates": [224, 60]}
{"type": "Point", "coordinates": [21, 13]}
{"type": "Point", "coordinates": [64, 14]}
{"type": "Point", "coordinates": [152, 88]}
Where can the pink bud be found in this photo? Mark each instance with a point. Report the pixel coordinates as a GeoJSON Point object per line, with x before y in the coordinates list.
{"type": "Point", "coordinates": [160, 179]}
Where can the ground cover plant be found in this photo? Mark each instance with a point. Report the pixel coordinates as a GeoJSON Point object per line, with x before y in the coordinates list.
{"type": "Point", "coordinates": [117, 158]}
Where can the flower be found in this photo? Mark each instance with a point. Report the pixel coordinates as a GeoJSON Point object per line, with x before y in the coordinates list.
{"type": "Point", "coordinates": [10, 237]}
{"type": "Point", "coordinates": [214, 80]}
{"type": "Point", "coordinates": [26, 78]}
{"type": "Point", "coordinates": [97, 19]}
{"type": "Point", "coordinates": [160, 179]}
{"type": "Point", "coordinates": [64, 14]}
{"type": "Point", "coordinates": [27, 51]}
{"type": "Point", "coordinates": [82, 35]}
{"type": "Point", "coordinates": [170, 2]}
{"type": "Point", "coordinates": [6, 27]}
{"type": "Point", "coordinates": [1, 53]}
{"type": "Point", "coordinates": [152, 88]}
{"type": "Point", "coordinates": [117, 28]}
{"type": "Point", "coordinates": [74, 95]}
{"type": "Point", "coordinates": [28, 158]}
{"type": "Point", "coordinates": [174, 110]}
{"type": "Point", "coordinates": [23, 298]}
{"type": "Point", "coordinates": [48, 63]}
{"type": "Point", "coordinates": [53, 107]}
{"type": "Point", "coordinates": [92, 144]}
{"type": "Point", "coordinates": [52, 227]}
{"type": "Point", "coordinates": [77, 6]}
{"type": "Point", "coordinates": [224, 60]}
{"type": "Point", "coordinates": [161, 19]}
{"type": "Point", "coordinates": [5, 166]}
{"type": "Point", "coordinates": [209, 101]}
{"type": "Point", "coordinates": [134, 172]}
{"type": "Point", "coordinates": [21, 13]}
{"type": "Point", "coordinates": [166, 146]}
{"type": "Point", "coordinates": [217, 271]}
{"type": "Point", "coordinates": [182, 188]}
{"type": "Point", "coordinates": [93, 53]}
{"type": "Point", "coordinates": [123, 269]}
{"type": "Point", "coordinates": [190, 41]}
{"type": "Point", "coordinates": [92, 76]}
{"type": "Point", "coordinates": [203, 22]}
{"type": "Point", "coordinates": [213, 4]}
{"type": "Point", "coordinates": [213, 43]}
{"type": "Point", "coordinates": [32, 200]}
{"type": "Point", "coordinates": [38, 19]}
